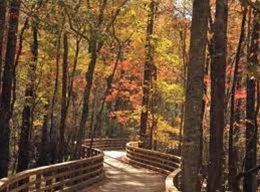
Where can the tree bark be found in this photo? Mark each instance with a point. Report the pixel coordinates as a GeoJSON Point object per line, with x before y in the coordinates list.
{"type": "Point", "coordinates": [183, 36]}
{"type": "Point", "coordinates": [251, 138]}
{"type": "Point", "coordinates": [43, 154]}
{"type": "Point", "coordinates": [24, 143]}
{"type": "Point", "coordinates": [5, 103]}
{"type": "Point", "coordinates": [148, 71]}
{"type": "Point", "coordinates": [95, 46]}
{"type": "Point", "coordinates": [63, 98]}
{"type": "Point", "coordinates": [52, 133]}
{"type": "Point", "coordinates": [250, 184]}
{"type": "Point", "coordinates": [233, 125]}
{"type": "Point", "coordinates": [192, 133]}
{"type": "Point", "coordinates": [217, 107]}
{"type": "Point", "coordinates": [2, 30]}
{"type": "Point", "coordinates": [86, 97]}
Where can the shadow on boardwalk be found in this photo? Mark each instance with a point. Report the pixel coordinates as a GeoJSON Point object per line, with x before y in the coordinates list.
{"type": "Point", "coordinates": [126, 178]}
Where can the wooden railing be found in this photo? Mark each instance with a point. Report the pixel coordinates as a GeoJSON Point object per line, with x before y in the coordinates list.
{"type": "Point", "coordinates": [161, 162]}
{"type": "Point", "coordinates": [106, 143]}
{"type": "Point", "coordinates": [78, 174]}
{"type": "Point", "coordinates": [67, 176]}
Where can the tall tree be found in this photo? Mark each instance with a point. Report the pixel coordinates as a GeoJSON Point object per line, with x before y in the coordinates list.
{"type": "Point", "coordinates": [96, 131]}
{"type": "Point", "coordinates": [52, 132]}
{"type": "Point", "coordinates": [93, 49]}
{"type": "Point", "coordinates": [149, 69]}
{"type": "Point", "coordinates": [64, 108]}
{"type": "Point", "coordinates": [192, 133]}
{"type": "Point", "coordinates": [43, 159]}
{"type": "Point", "coordinates": [217, 106]}
{"type": "Point", "coordinates": [95, 45]}
{"type": "Point", "coordinates": [26, 127]}
{"type": "Point", "coordinates": [5, 101]}
{"type": "Point", "coordinates": [233, 124]}
{"type": "Point", "coordinates": [250, 184]}
{"type": "Point", "coordinates": [2, 29]}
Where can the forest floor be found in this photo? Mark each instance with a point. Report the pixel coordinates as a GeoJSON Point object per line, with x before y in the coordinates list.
{"type": "Point", "coordinates": [126, 178]}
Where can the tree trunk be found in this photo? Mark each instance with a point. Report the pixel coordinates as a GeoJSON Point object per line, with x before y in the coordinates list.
{"type": "Point", "coordinates": [58, 47]}
{"type": "Point", "coordinates": [250, 184]}
{"type": "Point", "coordinates": [93, 116]}
{"type": "Point", "coordinates": [87, 91]}
{"type": "Point", "coordinates": [232, 167]}
{"type": "Point", "coordinates": [148, 71]}
{"type": "Point", "coordinates": [192, 133]}
{"type": "Point", "coordinates": [5, 102]}
{"type": "Point", "coordinates": [2, 29]}
{"type": "Point", "coordinates": [24, 143]}
{"type": "Point", "coordinates": [217, 107]}
{"type": "Point", "coordinates": [52, 133]}
{"type": "Point", "coordinates": [251, 138]}
{"type": "Point", "coordinates": [183, 36]}
{"type": "Point", "coordinates": [43, 156]}
{"type": "Point", "coordinates": [96, 131]}
{"type": "Point", "coordinates": [94, 47]}
{"type": "Point", "coordinates": [63, 98]}
{"type": "Point", "coordinates": [72, 138]}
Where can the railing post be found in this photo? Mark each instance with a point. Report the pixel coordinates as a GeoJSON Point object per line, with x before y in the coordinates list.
{"type": "Point", "coordinates": [176, 181]}
{"type": "Point", "coordinates": [38, 181]}
{"type": "Point", "coordinates": [49, 181]}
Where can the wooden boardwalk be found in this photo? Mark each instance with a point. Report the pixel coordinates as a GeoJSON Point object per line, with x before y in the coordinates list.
{"type": "Point", "coordinates": [126, 178]}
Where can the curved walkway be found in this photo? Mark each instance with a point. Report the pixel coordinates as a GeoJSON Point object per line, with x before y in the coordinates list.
{"type": "Point", "coordinates": [126, 178]}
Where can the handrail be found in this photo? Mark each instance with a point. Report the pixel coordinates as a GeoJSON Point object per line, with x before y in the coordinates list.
{"type": "Point", "coordinates": [172, 181]}
{"type": "Point", "coordinates": [107, 143]}
{"type": "Point", "coordinates": [67, 176]}
{"type": "Point", "coordinates": [78, 174]}
{"type": "Point", "coordinates": [161, 162]}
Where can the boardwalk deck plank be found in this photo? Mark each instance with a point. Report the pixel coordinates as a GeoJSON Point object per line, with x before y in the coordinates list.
{"type": "Point", "coordinates": [126, 178]}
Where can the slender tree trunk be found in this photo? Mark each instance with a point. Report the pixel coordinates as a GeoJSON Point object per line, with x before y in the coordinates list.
{"type": "Point", "coordinates": [93, 115]}
{"type": "Point", "coordinates": [52, 133]}
{"type": "Point", "coordinates": [18, 54]}
{"type": "Point", "coordinates": [19, 51]}
{"type": "Point", "coordinates": [183, 36]}
{"type": "Point", "coordinates": [72, 76]}
{"type": "Point", "coordinates": [153, 111]}
{"type": "Point", "coordinates": [87, 91]}
{"type": "Point", "coordinates": [251, 138]}
{"type": "Point", "coordinates": [2, 30]}
{"type": "Point", "coordinates": [56, 84]}
{"type": "Point", "coordinates": [96, 131]}
{"type": "Point", "coordinates": [217, 107]}
{"type": "Point", "coordinates": [70, 92]}
{"type": "Point", "coordinates": [192, 133]}
{"type": "Point", "coordinates": [5, 103]}
{"type": "Point", "coordinates": [43, 156]}
{"type": "Point", "coordinates": [148, 70]}
{"type": "Point", "coordinates": [24, 143]}
{"type": "Point", "coordinates": [250, 184]}
{"type": "Point", "coordinates": [94, 47]}
{"type": "Point", "coordinates": [233, 182]}
{"type": "Point", "coordinates": [63, 98]}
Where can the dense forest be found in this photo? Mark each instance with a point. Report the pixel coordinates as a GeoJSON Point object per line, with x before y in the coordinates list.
{"type": "Point", "coordinates": [180, 76]}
